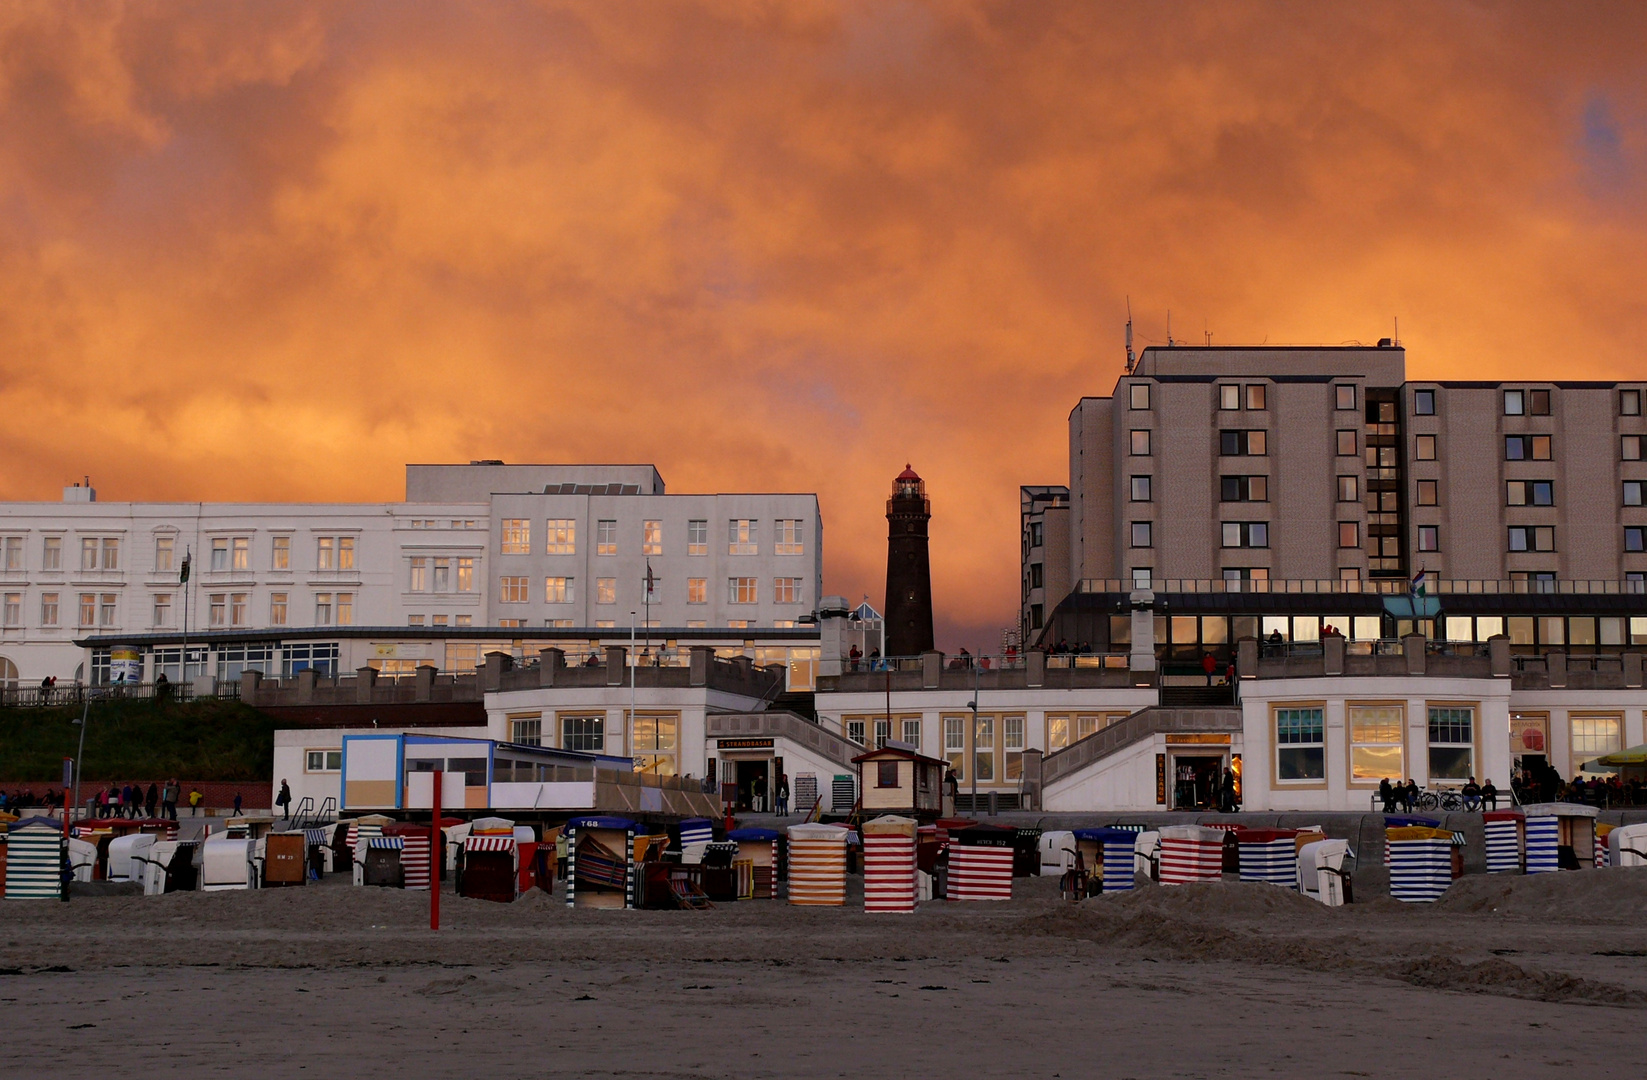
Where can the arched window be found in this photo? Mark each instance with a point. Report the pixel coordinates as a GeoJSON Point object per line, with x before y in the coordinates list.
{"type": "Point", "coordinates": [8, 674]}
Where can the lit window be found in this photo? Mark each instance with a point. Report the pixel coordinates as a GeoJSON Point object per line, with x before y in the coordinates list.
{"type": "Point", "coordinates": [324, 554]}
{"type": "Point", "coordinates": [787, 590]}
{"type": "Point", "coordinates": [1376, 742]}
{"type": "Point", "coordinates": [1140, 443]}
{"type": "Point", "coordinates": [1594, 736]}
{"type": "Point", "coordinates": [740, 537]}
{"type": "Point", "coordinates": [323, 609]}
{"type": "Point", "coordinates": [282, 553]}
{"type": "Point", "coordinates": [557, 590]}
{"type": "Point", "coordinates": [983, 749]}
{"type": "Point", "coordinates": [51, 554]}
{"type": "Point", "coordinates": [788, 540]}
{"type": "Point", "coordinates": [1138, 395]}
{"type": "Point", "coordinates": [517, 536]}
{"type": "Point", "coordinates": [217, 608]}
{"type": "Point", "coordinates": [13, 609]}
{"type": "Point", "coordinates": [1452, 743]}
{"type": "Point", "coordinates": [88, 609]}
{"type": "Point", "coordinates": [164, 549]}
{"type": "Point", "coordinates": [106, 609]}
{"type": "Point", "coordinates": [697, 537]}
{"type": "Point", "coordinates": [606, 590]}
{"type": "Point", "coordinates": [466, 574]}
{"type": "Point", "coordinates": [740, 590]}
{"type": "Point", "coordinates": [563, 536]}
{"type": "Point", "coordinates": [49, 614]}
{"type": "Point", "coordinates": [651, 538]}
{"type": "Point", "coordinates": [1344, 396]}
{"type": "Point", "coordinates": [1424, 448]}
{"type": "Point", "coordinates": [277, 609]}
{"type": "Point", "coordinates": [237, 609]}
{"type": "Point", "coordinates": [345, 553]}
{"type": "Point", "coordinates": [697, 590]}
{"type": "Point", "coordinates": [242, 553]}
{"type": "Point", "coordinates": [88, 553]}
{"type": "Point", "coordinates": [419, 580]}
{"type": "Point", "coordinates": [512, 590]}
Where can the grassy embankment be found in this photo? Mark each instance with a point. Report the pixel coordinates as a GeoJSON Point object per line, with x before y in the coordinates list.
{"type": "Point", "coordinates": [200, 740]}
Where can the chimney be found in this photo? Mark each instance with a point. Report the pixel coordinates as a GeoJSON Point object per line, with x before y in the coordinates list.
{"type": "Point", "coordinates": [77, 493]}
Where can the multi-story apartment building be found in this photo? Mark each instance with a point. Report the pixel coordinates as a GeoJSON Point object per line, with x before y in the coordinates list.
{"type": "Point", "coordinates": [1043, 517]}
{"type": "Point", "coordinates": [540, 551]}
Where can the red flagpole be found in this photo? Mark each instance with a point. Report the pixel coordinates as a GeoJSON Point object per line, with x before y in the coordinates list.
{"type": "Point", "coordinates": [437, 857]}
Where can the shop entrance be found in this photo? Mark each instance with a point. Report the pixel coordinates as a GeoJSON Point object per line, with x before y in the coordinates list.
{"type": "Point", "coordinates": [1195, 781]}
{"type": "Point", "coordinates": [748, 773]}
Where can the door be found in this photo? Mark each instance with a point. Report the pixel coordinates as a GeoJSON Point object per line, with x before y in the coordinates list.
{"type": "Point", "coordinates": [1196, 782]}
{"type": "Point", "coordinates": [749, 772]}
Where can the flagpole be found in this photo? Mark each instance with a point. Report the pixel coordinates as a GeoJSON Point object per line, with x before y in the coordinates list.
{"type": "Point", "coordinates": [183, 668]}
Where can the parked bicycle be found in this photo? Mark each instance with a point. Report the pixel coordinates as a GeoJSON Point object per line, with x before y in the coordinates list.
{"type": "Point", "coordinates": [1441, 799]}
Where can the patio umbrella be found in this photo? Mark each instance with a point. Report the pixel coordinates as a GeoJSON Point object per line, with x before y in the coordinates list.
{"type": "Point", "coordinates": [1634, 757]}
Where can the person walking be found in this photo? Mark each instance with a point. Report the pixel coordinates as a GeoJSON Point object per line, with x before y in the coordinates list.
{"type": "Point", "coordinates": [168, 800]}
{"type": "Point", "coordinates": [284, 801]}
{"type": "Point", "coordinates": [128, 802]}
{"type": "Point", "coordinates": [783, 794]}
{"type": "Point", "coordinates": [1209, 665]}
{"type": "Point", "coordinates": [237, 804]}
{"type": "Point", "coordinates": [152, 800]}
{"type": "Point", "coordinates": [1226, 792]}
{"type": "Point", "coordinates": [195, 799]}
{"type": "Point", "coordinates": [757, 795]}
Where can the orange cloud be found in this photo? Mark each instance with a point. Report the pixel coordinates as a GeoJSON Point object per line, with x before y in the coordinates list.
{"type": "Point", "coordinates": [275, 251]}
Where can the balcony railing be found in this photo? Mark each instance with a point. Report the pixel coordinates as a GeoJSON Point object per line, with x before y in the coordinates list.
{"type": "Point", "coordinates": [1374, 587]}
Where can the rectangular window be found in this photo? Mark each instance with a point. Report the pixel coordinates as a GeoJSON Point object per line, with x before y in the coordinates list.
{"type": "Point", "coordinates": [1243, 489]}
{"type": "Point", "coordinates": [1140, 443]}
{"type": "Point", "coordinates": [1138, 395]}
{"type": "Point", "coordinates": [1594, 736]}
{"type": "Point", "coordinates": [1424, 448]}
{"type": "Point", "coordinates": [1012, 748]}
{"type": "Point", "coordinates": [325, 557]}
{"type": "Point", "coordinates": [1538, 403]}
{"type": "Point", "coordinates": [697, 590]}
{"type": "Point", "coordinates": [1530, 493]}
{"type": "Point", "coordinates": [1257, 396]}
{"type": "Point", "coordinates": [1633, 492]}
{"type": "Point", "coordinates": [655, 740]}
{"type": "Point", "coordinates": [1633, 538]}
{"type": "Point", "coordinates": [164, 550]}
{"type": "Point", "coordinates": [1526, 448]}
{"type": "Point", "coordinates": [1349, 534]}
{"type": "Point", "coordinates": [786, 590]}
{"type": "Point", "coordinates": [562, 536]}
{"type": "Point", "coordinates": [1428, 493]}
{"type": "Point", "coordinates": [740, 590]}
{"type": "Point", "coordinates": [111, 553]}
{"type": "Point", "coordinates": [418, 580]}
{"type": "Point", "coordinates": [1057, 731]}
{"type": "Point", "coordinates": [557, 590]}
{"type": "Point", "coordinates": [49, 613]}
{"type": "Point", "coordinates": [1344, 396]}
{"type": "Point", "coordinates": [51, 554]}
{"type": "Point", "coordinates": [282, 553]}
{"type": "Point", "coordinates": [241, 555]}
{"type": "Point", "coordinates": [741, 537]}
{"type": "Point", "coordinates": [443, 575]}
{"type": "Point", "coordinates": [1629, 402]}
{"type": "Point", "coordinates": [220, 553]}
{"type": "Point", "coordinates": [606, 538]}
{"type": "Point", "coordinates": [218, 608]}
{"type": "Point", "coordinates": [1139, 491]}
{"type": "Point", "coordinates": [1423, 402]}
{"type": "Point", "coordinates": [1349, 489]}
{"type": "Point", "coordinates": [911, 733]}
{"type": "Point", "coordinates": [414, 620]}
{"type": "Point", "coordinates": [237, 609]}
{"type": "Point", "coordinates": [277, 609]}
{"type": "Point", "coordinates": [697, 537]}
{"type": "Point", "coordinates": [1229, 397]}
{"type": "Point", "coordinates": [1253, 443]}
{"type": "Point", "coordinates": [1515, 403]}
{"type": "Point", "coordinates": [1631, 447]}
{"type": "Point", "coordinates": [788, 539]}
{"type": "Point", "coordinates": [1347, 443]}
{"type": "Point", "coordinates": [1246, 534]}
{"type": "Point", "coordinates": [1376, 743]}
{"type": "Point", "coordinates": [1141, 534]}
{"type": "Point", "coordinates": [586, 733]}
{"type": "Point", "coordinates": [466, 574]}
{"type": "Point", "coordinates": [106, 609]}
{"type": "Point", "coordinates": [1429, 538]}
{"type": "Point", "coordinates": [14, 609]}
{"type": "Point", "coordinates": [651, 538]}
{"type": "Point", "coordinates": [345, 553]}
{"type": "Point", "coordinates": [1532, 538]}
{"type": "Point", "coordinates": [12, 550]}
{"type": "Point", "coordinates": [855, 731]}
{"type": "Point", "coordinates": [1300, 748]}
{"type": "Point", "coordinates": [88, 553]}
{"type": "Point", "coordinates": [517, 536]}
{"type": "Point", "coordinates": [88, 609]}
{"type": "Point", "coordinates": [983, 750]}
{"type": "Point", "coordinates": [512, 590]}
{"type": "Point", "coordinates": [323, 761]}
{"type": "Point", "coordinates": [1452, 743]}
{"type": "Point", "coordinates": [323, 609]}
{"type": "Point", "coordinates": [606, 590]}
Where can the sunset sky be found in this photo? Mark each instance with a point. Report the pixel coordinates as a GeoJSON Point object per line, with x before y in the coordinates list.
{"type": "Point", "coordinates": [274, 251]}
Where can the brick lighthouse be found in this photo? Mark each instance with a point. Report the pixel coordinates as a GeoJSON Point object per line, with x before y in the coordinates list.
{"type": "Point", "coordinates": [908, 570]}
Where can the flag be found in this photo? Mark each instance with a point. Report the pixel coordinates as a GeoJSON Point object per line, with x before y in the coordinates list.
{"type": "Point", "coordinates": [650, 580]}
{"type": "Point", "coordinates": [183, 574]}
{"type": "Point", "coordinates": [1415, 587]}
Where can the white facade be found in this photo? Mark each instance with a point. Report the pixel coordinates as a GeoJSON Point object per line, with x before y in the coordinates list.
{"type": "Point", "coordinates": [80, 568]}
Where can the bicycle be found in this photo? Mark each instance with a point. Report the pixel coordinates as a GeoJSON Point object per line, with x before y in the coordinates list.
{"type": "Point", "coordinates": [1072, 886]}
{"type": "Point", "coordinates": [1445, 800]}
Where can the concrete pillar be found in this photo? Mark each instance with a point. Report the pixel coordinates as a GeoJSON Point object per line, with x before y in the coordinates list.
{"type": "Point", "coordinates": [702, 658]}
{"type": "Point", "coordinates": [615, 673]}
{"type": "Point", "coordinates": [365, 683]}
{"type": "Point", "coordinates": [1032, 780]}
{"type": "Point", "coordinates": [1246, 658]}
{"type": "Point", "coordinates": [252, 681]}
{"type": "Point", "coordinates": [423, 682]}
{"type": "Point", "coordinates": [551, 662]}
{"type": "Point", "coordinates": [1556, 664]}
{"type": "Point", "coordinates": [1412, 646]}
{"type": "Point", "coordinates": [1035, 668]}
{"type": "Point", "coordinates": [492, 669]}
{"type": "Point", "coordinates": [1498, 655]}
{"type": "Point", "coordinates": [932, 665]}
{"type": "Point", "coordinates": [1332, 655]}
{"type": "Point", "coordinates": [306, 680]}
{"type": "Point", "coordinates": [1632, 669]}
{"type": "Point", "coordinates": [1143, 632]}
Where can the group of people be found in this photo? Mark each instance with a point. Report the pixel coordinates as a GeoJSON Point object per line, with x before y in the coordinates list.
{"type": "Point", "coordinates": [757, 795]}
{"type": "Point", "coordinates": [131, 801]}
{"type": "Point", "coordinates": [855, 659]}
{"type": "Point", "coordinates": [24, 798]}
{"type": "Point", "coordinates": [1405, 796]}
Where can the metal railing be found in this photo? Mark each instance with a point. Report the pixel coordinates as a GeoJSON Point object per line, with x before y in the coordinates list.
{"type": "Point", "coordinates": [1373, 586]}
{"type": "Point", "coordinates": [33, 697]}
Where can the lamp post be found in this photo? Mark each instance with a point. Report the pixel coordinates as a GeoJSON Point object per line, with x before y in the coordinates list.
{"type": "Point", "coordinates": [973, 705]}
{"type": "Point", "coordinates": [631, 731]}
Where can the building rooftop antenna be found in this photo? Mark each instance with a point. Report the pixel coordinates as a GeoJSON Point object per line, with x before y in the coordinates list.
{"type": "Point", "coordinates": [1398, 331]}
{"type": "Point", "coordinates": [1130, 360]}
{"type": "Point", "coordinates": [1170, 342]}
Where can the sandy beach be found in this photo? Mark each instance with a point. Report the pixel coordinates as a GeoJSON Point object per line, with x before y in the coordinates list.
{"type": "Point", "coordinates": [1507, 977]}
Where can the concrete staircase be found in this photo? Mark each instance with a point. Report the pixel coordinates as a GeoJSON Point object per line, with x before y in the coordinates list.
{"type": "Point", "coordinates": [1139, 726]}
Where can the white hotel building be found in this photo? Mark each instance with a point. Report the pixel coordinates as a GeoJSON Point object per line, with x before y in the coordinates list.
{"type": "Point", "coordinates": [490, 552]}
